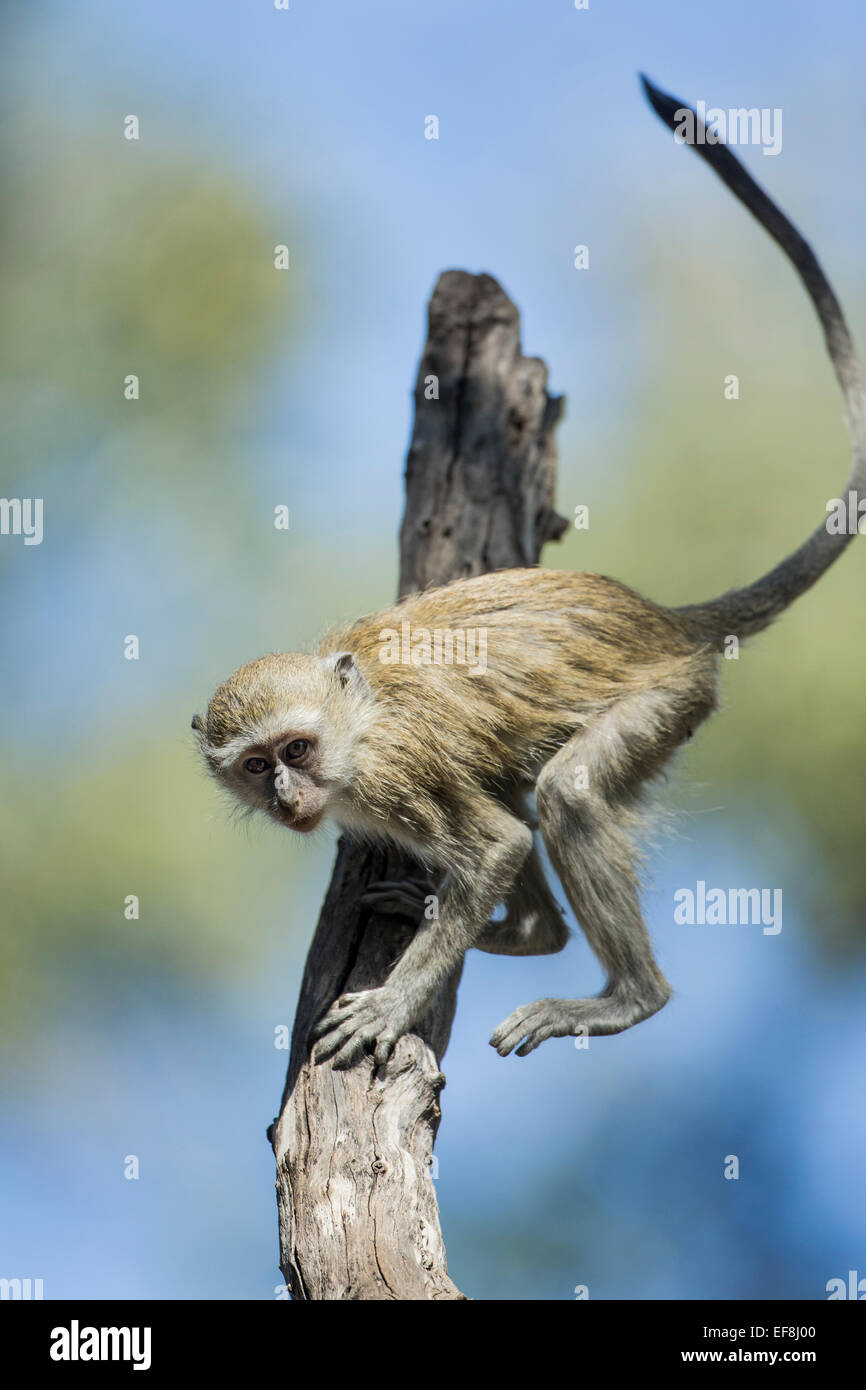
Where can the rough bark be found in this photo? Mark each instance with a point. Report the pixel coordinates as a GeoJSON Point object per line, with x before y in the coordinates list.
{"type": "Point", "coordinates": [357, 1208]}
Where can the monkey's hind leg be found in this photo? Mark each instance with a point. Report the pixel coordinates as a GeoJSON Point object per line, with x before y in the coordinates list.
{"type": "Point", "coordinates": [533, 924]}
{"type": "Point", "coordinates": [587, 797]}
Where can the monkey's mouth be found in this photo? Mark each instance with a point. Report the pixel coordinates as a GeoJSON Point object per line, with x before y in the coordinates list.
{"type": "Point", "coordinates": [303, 824]}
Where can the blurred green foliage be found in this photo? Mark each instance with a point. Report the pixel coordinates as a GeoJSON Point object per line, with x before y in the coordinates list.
{"type": "Point", "coordinates": [134, 262]}
{"type": "Point", "coordinates": [136, 816]}
{"type": "Point", "coordinates": [116, 259]}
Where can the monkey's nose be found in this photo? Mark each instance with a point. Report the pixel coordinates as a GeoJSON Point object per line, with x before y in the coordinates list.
{"type": "Point", "coordinates": [288, 796]}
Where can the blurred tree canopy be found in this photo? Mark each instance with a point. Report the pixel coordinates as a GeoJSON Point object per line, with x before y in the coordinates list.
{"type": "Point", "coordinates": [119, 259]}
{"type": "Point", "coordinates": [132, 263]}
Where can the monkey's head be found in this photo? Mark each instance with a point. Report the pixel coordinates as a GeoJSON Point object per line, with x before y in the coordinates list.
{"type": "Point", "coordinates": [283, 732]}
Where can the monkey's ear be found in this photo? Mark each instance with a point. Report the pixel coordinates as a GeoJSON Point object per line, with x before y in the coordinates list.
{"type": "Point", "coordinates": [344, 668]}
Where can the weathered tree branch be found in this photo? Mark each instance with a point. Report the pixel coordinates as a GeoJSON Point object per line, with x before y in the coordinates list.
{"type": "Point", "coordinates": [357, 1208]}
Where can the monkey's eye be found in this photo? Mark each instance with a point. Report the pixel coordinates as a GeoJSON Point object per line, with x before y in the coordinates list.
{"type": "Point", "coordinates": [296, 749]}
{"type": "Point", "coordinates": [257, 765]}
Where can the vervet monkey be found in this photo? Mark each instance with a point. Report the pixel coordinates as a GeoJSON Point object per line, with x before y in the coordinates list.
{"type": "Point", "coordinates": [585, 693]}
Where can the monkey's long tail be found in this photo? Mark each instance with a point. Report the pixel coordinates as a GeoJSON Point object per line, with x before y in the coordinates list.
{"type": "Point", "coordinates": [745, 611]}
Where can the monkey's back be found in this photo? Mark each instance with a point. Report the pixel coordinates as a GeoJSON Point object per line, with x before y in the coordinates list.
{"type": "Point", "coordinates": [558, 648]}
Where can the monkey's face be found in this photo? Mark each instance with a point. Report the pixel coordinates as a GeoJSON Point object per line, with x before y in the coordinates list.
{"type": "Point", "coordinates": [283, 778]}
{"type": "Point", "coordinates": [279, 735]}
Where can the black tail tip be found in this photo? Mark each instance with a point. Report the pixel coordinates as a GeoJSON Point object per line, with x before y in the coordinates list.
{"type": "Point", "coordinates": [665, 106]}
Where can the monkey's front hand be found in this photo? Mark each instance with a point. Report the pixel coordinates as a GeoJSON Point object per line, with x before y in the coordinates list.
{"type": "Point", "coordinates": [370, 1017]}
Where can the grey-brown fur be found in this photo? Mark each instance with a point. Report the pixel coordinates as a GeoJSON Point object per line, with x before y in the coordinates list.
{"type": "Point", "coordinates": [585, 693]}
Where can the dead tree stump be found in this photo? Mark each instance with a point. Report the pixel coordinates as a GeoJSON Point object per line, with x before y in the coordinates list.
{"type": "Point", "coordinates": [358, 1215]}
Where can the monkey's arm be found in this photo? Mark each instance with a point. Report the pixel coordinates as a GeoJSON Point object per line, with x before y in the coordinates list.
{"type": "Point", "coordinates": [499, 844]}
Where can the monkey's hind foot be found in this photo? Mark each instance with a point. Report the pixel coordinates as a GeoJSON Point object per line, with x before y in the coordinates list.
{"type": "Point", "coordinates": [533, 1024]}
{"type": "Point", "coordinates": [406, 898]}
